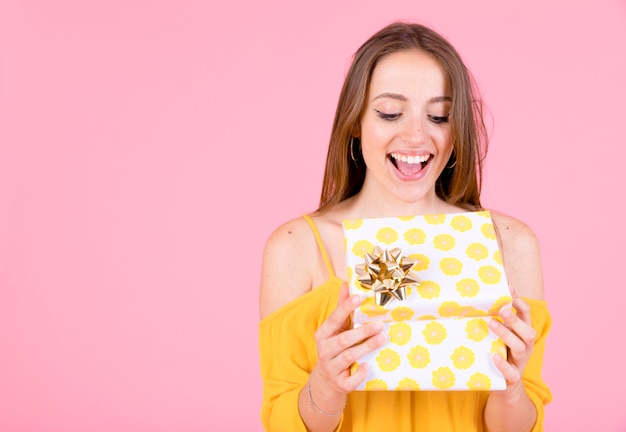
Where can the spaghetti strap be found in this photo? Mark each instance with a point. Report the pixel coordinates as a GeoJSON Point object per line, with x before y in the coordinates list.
{"type": "Point", "coordinates": [329, 266]}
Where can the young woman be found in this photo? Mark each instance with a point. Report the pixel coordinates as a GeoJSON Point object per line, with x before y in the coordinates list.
{"type": "Point", "coordinates": [408, 139]}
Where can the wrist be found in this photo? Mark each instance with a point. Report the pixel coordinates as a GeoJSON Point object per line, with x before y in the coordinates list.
{"type": "Point", "coordinates": [513, 394]}
{"type": "Point", "coordinates": [330, 404]}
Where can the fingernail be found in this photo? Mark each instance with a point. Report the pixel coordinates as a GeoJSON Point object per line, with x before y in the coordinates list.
{"type": "Point", "coordinates": [505, 312]}
{"type": "Point", "coordinates": [493, 323]}
{"type": "Point", "coordinates": [355, 299]}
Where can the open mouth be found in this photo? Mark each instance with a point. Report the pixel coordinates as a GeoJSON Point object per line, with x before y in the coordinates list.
{"type": "Point", "coordinates": [409, 165]}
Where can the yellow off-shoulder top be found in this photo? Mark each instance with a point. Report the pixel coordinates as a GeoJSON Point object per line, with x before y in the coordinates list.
{"type": "Point", "coordinates": [288, 354]}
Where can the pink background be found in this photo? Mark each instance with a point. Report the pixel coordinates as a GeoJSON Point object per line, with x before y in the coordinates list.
{"type": "Point", "coordinates": [148, 148]}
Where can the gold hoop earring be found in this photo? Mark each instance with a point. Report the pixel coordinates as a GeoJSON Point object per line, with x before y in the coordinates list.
{"type": "Point", "coordinates": [453, 165]}
{"type": "Point", "coordinates": [352, 149]}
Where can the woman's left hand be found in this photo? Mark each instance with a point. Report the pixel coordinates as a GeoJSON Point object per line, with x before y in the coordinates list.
{"type": "Point", "coordinates": [518, 335]}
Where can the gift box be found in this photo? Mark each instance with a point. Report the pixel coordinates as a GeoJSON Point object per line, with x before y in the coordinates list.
{"type": "Point", "coordinates": [435, 281]}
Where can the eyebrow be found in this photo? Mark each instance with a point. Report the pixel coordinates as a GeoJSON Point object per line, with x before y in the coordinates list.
{"type": "Point", "coordinates": [401, 97]}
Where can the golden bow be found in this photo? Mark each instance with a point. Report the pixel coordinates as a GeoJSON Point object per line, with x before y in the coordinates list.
{"type": "Point", "coordinates": [387, 273]}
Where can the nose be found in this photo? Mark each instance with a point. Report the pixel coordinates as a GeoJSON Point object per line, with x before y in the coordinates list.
{"type": "Point", "coordinates": [414, 130]}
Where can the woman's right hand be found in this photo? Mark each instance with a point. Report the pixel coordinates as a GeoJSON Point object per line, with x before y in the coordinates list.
{"type": "Point", "coordinates": [338, 347]}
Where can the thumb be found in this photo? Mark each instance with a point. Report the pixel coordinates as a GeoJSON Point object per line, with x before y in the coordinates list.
{"type": "Point", "coordinates": [343, 293]}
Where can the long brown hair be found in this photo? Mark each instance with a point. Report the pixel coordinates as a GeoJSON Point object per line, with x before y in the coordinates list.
{"type": "Point", "coordinates": [459, 183]}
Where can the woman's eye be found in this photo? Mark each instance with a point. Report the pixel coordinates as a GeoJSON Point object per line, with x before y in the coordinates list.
{"type": "Point", "coordinates": [388, 116]}
{"type": "Point", "coordinates": [439, 119]}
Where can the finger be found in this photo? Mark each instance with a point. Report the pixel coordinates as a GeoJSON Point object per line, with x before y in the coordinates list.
{"type": "Point", "coordinates": [520, 323]}
{"type": "Point", "coordinates": [347, 357]}
{"type": "Point", "coordinates": [349, 338]}
{"type": "Point", "coordinates": [344, 349]}
{"type": "Point", "coordinates": [523, 310]}
{"type": "Point", "coordinates": [355, 378]}
{"type": "Point", "coordinates": [351, 372]}
{"type": "Point", "coordinates": [517, 346]}
{"type": "Point", "coordinates": [335, 321]}
{"type": "Point", "coordinates": [510, 373]}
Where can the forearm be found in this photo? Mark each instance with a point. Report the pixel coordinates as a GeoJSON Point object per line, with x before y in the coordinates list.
{"type": "Point", "coordinates": [510, 411]}
{"type": "Point", "coordinates": [320, 412]}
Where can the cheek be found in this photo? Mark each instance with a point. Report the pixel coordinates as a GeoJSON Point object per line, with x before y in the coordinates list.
{"type": "Point", "coordinates": [374, 138]}
{"type": "Point", "coordinates": [444, 140]}
{"type": "Point", "coordinates": [372, 141]}
{"type": "Point", "coordinates": [371, 152]}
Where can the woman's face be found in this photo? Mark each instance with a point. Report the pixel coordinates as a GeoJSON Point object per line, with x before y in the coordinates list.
{"type": "Point", "coordinates": [405, 133]}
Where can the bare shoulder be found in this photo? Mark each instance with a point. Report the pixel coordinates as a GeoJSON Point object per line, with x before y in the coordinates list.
{"type": "Point", "coordinates": [285, 274]}
{"type": "Point", "coordinates": [521, 254]}
{"type": "Point", "coordinates": [515, 234]}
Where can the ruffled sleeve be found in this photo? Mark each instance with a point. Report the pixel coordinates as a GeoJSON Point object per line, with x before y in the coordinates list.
{"type": "Point", "coordinates": [536, 388]}
{"type": "Point", "coordinates": [288, 354]}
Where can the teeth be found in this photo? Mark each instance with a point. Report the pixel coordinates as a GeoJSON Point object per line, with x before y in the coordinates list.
{"type": "Point", "coordinates": [410, 159]}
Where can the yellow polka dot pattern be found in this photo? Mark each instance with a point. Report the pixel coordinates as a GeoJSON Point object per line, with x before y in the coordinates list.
{"type": "Point", "coordinates": [400, 333]}
{"type": "Point", "coordinates": [386, 235]}
{"type": "Point", "coordinates": [438, 338]}
{"type": "Point", "coordinates": [408, 384]}
{"type": "Point", "coordinates": [376, 384]}
{"type": "Point", "coordinates": [415, 236]}
{"type": "Point", "coordinates": [388, 360]}
{"type": "Point", "coordinates": [421, 261]}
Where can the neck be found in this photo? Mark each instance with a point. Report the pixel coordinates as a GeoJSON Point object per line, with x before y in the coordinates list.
{"type": "Point", "coordinates": [369, 205]}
